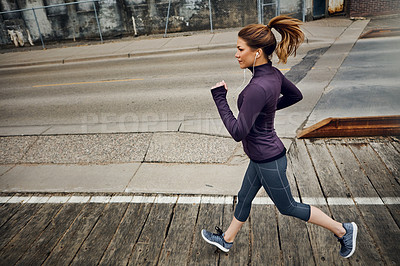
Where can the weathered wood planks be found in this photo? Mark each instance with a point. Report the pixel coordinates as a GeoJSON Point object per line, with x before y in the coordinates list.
{"type": "Point", "coordinates": [323, 243]}
{"type": "Point", "coordinates": [20, 243]}
{"type": "Point", "coordinates": [75, 235]}
{"type": "Point", "coordinates": [177, 244]}
{"type": "Point", "coordinates": [50, 236]}
{"type": "Point", "coordinates": [349, 179]}
{"type": "Point", "coordinates": [127, 234]}
{"type": "Point", "coordinates": [265, 246]}
{"type": "Point", "coordinates": [148, 247]}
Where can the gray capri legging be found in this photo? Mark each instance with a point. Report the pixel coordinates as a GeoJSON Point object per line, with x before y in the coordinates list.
{"type": "Point", "coordinates": [272, 176]}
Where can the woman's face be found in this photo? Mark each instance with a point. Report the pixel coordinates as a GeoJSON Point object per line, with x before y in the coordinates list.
{"type": "Point", "coordinates": [245, 54]}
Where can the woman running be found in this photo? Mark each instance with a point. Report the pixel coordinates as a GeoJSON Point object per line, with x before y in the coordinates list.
{"type": "Point", "coordinates": [254, 126]}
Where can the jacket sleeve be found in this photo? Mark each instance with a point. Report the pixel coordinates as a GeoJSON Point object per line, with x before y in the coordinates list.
{"type": "Point", "coordinates": [253, 102]}
{"type": "Point", "coordinates": [290, 94]}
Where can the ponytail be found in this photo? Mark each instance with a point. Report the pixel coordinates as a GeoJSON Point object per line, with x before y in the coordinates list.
{"type": "Point", "coordinates": [261, 36]}
{"type": "Point", "coordinates": [292, 36]}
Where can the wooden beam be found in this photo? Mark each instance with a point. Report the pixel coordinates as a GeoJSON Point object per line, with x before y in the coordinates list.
{"type": "Point", "coordinates": [353, 127]}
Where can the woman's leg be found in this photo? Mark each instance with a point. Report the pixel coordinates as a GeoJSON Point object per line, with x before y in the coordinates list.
{"type": "Point", "coordinates": [250, 186]}
{"type": "Point", "coordinates": [274, 180]}
{"type": "Point", "coordinates": [320, 218]}
{"type": "Point", "coordinates": [233, 229]}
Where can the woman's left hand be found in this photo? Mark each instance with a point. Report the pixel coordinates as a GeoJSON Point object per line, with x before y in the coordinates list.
{"type": "Point", "coordinates": [219, 84]}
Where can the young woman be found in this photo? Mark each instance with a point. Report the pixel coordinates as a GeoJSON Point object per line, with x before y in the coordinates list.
{"type": "Point", "coordinates": [254, 126]}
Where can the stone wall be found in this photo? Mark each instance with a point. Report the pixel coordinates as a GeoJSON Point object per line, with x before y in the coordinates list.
{"type": "Point", "coordinates": [116, 17]}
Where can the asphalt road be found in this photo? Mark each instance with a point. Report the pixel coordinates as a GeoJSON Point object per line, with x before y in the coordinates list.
{"type": "Point", "coordinates": [151, 88]}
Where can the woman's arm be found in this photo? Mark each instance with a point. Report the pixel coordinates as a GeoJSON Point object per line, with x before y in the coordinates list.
{"type": "Point", "coordinates": [290, 94]}
{"type": "Point", "coordinates": [253, 102]}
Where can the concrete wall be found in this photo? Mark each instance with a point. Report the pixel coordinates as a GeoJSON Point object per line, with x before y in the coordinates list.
{"type": "Point", "coordinates": [115, 16]}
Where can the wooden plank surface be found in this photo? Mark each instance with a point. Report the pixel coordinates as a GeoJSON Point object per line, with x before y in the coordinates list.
{"type": "Point", "coordinates": [7, 211]}
{"type": "Point", "coordinates": [17, 222]}
{"type": "Point", "coordinates": [180, 235]}
{"type": "Point", "coordinates": [328, 175]}
{"type": "Point", "coordinates": [69, 245]}
{"type": "Point", "coordinates": [303, 169]}
{"type": "Point", "coordinates": [148, 247]}
{"type": "Point", "coordinates": [92, 249]}
{"type": "Point", "coordinates": [384, 231]}
{"type": "Point", "coordinates": [395, 141]}
{"type": "Point", "coordinates": [265, 246]}
{"type": "Point", "coordinates": [323, 243]}
{"type": "Point", "coordinates": [349, 170]}
{"type": "Point", "coordinates": [11, 253]}
{"type": "Point", "coordinates": [42, 246]}
{"type": "Point", "coordinates": [360, 186]}
{"type": "Point", "coordinates": [120, 248]}
{"type": "Point", "coordinates": [380, 177]}
{"type": "Point", "coordinates": [389, 156]}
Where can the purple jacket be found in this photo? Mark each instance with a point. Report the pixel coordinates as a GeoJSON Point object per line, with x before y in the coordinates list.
{"type": "Point", "coordinates": [257, 105]}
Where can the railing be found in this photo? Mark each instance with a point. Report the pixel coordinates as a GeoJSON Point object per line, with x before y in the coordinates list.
{"type": "Point", "coordinates": [56, 5]}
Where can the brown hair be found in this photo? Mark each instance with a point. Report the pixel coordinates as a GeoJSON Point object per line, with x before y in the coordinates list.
{"type": "Point", "coordinates": [261, 36]}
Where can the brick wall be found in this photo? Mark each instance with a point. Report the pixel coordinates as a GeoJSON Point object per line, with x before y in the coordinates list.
{"type": "Point", "coordinates": [365, 8]}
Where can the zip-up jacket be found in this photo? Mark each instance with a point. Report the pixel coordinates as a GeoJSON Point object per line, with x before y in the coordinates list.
{"type": "Point", "coordinates": [266, 92]}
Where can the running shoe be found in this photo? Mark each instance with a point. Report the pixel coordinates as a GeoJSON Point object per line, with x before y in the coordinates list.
{"type": "Point", "coordinates": [216, 239]}
{"type": "Point", "coordinates": [348, 241]}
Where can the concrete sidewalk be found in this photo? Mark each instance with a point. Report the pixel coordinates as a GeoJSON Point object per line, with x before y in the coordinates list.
{"type": "Point", "coordinates": [195, 162]}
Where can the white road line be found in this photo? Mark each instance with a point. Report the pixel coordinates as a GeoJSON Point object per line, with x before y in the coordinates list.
{"type": "Point", "coordinates": [4, 199]}
{"type": "Point", "coordinates": [184, 199]}
{"type": "Point", "coordinates": [263, 201]}
{"type": "Point", "coordinates": [121, 199]}
{"type": "Point", "coordinates": [369, 201]}
{"type": "Point", "coordinates": [314, 201]}
{"type": "Point", "coordinates": [391, 201]}
{"type": "Point", "coordinates": [18, 199]}
{"type": "Point", "coordinates": [340, 201]}
{"type": "Point", "coordinates": [100, 199]}
{"type": "Point", "coordinates": [215, 200]}
{"type": "Point", "coordinates": [189, 200]}
{"type": "Point", "coordinates": [143, 199]}
{"type": "Point", "coordinates": [166, 199]}
{"type": "Point", "coordinates": [36, 199]}
{"type": "Point", "coordinates": [58, 199]}
{"type": "Point", "coordinates": [79, 199]}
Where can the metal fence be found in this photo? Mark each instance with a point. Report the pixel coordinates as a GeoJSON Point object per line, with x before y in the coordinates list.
{"type": "Point", "coordinates": [57, 5]}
